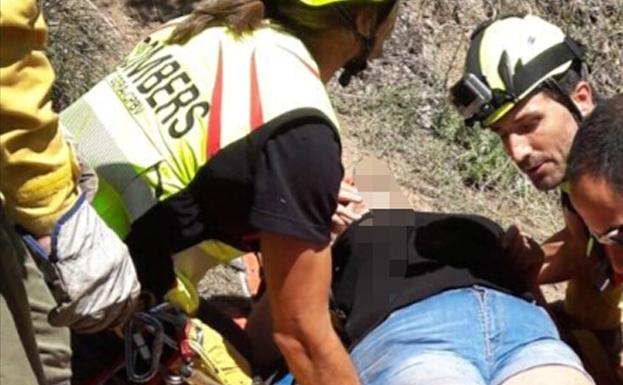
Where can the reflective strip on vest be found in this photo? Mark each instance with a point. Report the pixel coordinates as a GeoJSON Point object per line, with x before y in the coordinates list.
{"type": "Point", "coordinates": [152, 123]}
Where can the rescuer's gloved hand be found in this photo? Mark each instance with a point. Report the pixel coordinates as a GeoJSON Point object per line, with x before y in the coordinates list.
{"type": "Point", "coordinates": [90, 271]}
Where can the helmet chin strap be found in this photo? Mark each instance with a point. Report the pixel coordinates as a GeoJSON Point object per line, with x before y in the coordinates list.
{"type": "Point", "coordinates": [357, 64]}
{"type": "Point", "coordinates": [565, 100]}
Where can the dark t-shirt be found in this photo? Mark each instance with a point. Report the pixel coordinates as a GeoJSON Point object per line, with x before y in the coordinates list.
{"type": "Point", "coordinates": [296, 184]}
{"type": "Point", "coordinates": [393, 258]}
{"type": "Point", "coordinates": [288, 187]}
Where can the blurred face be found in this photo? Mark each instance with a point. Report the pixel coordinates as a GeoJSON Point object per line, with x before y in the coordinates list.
{"type": "Point", "coordinates": [537, 134]}
{"type": "Point", "coordinates": [383, 32]}
{"type": "Point", "coordinates": [601, 208]}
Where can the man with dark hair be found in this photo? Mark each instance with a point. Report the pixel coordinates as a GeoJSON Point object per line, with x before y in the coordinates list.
{"type": "Point", "coordinates": [595, 176]}
{"type": "Point", "coordinates": [527, 81]}
{"type": "Point", "coordinates": [597, 152]}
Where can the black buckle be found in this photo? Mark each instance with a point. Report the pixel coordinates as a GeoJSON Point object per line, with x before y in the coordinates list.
{"type": "Point", "coordinates": [471, 96]}
{"type": "Point", "coordinates": [475, 100]}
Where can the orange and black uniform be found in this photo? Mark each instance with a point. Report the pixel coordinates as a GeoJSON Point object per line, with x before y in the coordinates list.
{"type": "Point", "coordinates": [593, 298]}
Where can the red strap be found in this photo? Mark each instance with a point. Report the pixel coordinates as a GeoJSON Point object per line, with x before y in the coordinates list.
{"type": "Point", "coordinates": [257, 116]}
{"type": "Point", "coordinates": [309, 67]}
{"type": "Point", "coordinates": [216, 109]}
{"type": "Point", "coordinates": [185, 350]}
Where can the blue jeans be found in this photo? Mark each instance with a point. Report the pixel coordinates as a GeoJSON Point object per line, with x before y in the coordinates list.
{"type": "Point", "coordinates": [467, 336]}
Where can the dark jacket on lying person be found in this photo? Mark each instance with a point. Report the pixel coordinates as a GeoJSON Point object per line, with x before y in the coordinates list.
{"type": "Point", "coordinates": [393, 258]}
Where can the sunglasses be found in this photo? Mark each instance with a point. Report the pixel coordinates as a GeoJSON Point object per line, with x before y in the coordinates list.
{"type": "Point", "coordinates": [612, 237]}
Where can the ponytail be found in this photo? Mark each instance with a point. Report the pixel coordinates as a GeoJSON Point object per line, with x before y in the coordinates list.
{"type": "Point", "coordinates": [239, 15]}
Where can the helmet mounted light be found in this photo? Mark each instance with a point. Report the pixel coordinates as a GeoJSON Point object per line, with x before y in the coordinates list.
{"type": "Point", "coordinates": [471, 96]}
{"type": "Point", "coordinates": [508, 60]}
{"type": "Point", "coordinates": [474, 100]}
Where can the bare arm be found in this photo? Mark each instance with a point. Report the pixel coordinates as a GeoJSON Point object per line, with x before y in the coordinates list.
{"type": "Point", "coordinates": [564, 252]}
{"type": "Point", "coordinates": [259, 326]}
{"type": "Point", "coordinates": [298, 276]}
{"type": "Point", "coordinates": [558, 259]}
{"type": "Point", "coordinates": [260, 331]}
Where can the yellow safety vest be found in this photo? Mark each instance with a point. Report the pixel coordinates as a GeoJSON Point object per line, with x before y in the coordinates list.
{"type": "Point", "coordinates": [154, 121]}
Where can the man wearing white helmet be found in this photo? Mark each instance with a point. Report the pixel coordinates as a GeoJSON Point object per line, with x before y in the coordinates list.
{"type": "Point", "coordinates": [527, 81]}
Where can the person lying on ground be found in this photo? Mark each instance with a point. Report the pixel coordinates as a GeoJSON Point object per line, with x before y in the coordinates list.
{"type": "Point", "coordinates": [429, 298]}
{"type": "Point", "coordinates": [595, 176]}
{"type": "Point", "coordinates": [528, 82]}
{"type": "Point", "coordinates": [216, 136]}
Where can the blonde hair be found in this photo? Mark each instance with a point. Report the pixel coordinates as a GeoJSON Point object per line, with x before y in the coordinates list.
{"type": "Point", "coordinates": [243, 16]}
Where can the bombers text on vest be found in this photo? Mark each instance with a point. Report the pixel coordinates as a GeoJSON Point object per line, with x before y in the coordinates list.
{"type": "Point", "coordinates": [167, 109]}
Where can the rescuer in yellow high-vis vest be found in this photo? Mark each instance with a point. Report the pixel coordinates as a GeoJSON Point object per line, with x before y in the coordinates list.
{"type": "Point", "coordinates": [216, 136]}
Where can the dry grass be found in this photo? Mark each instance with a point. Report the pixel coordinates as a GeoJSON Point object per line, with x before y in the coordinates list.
{"type": "Point", "coordinates": [399, 112]}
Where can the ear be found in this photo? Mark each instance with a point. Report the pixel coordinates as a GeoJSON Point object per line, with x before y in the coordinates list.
{"type": "Point", "coordinates": [365, 21]}
{"type": "Point", "coordinates": [582, 96]}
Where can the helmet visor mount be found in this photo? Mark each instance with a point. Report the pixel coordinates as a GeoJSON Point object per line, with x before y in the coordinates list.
{"type": "Point", "coordinates": [474, 99]}
{"type": "Point", "coordinates": [471, 96]}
